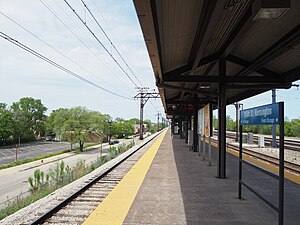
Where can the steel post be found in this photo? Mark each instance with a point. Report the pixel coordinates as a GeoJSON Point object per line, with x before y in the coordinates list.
{"type": "Point", "coordinates": [209, 150]}
{"type": "Point", "coordinates": [195, 123]}
{"type": "Point", "coordinates": [199, 144]}
{"type": "Point", "coordinates": [203, 147]}
{"type": "Point", "coordinates": [186, 128]}
{"type": "Point", "coordinates": [281, 164]}
{"type": "Point", "coordinates": [240, 162]}
{"type": "Point", "coordinates": [274, 126]}
{"type": "Point", "coordinates": [180, 129]}
{"type": "Point", "coordinates": [222, 120]}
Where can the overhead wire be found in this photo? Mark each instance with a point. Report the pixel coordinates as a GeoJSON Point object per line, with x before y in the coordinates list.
{"type": "Point", "coordinates": [50, 46]}
{"type": "Point", "coordinates": [98, 40]}
{"type": "Point", "coordinates": [51, 62]}
{"type": "Point", "coordinates": [50, 9]}
{"type": "Point", "coordinates": [110, 41]}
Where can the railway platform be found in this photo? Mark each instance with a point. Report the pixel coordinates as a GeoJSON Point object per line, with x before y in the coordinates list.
{"type": "Point", "coordinates": [172, 185]}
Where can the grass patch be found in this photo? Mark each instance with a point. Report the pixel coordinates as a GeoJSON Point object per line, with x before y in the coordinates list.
{"type": "Point", "coordinates": [58, 176]}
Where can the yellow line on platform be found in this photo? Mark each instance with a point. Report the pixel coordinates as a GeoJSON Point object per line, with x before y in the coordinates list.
{"type": "Point", "coordinates": [288, 175]}
{"type": "Point", "coordinates": [114, 208]}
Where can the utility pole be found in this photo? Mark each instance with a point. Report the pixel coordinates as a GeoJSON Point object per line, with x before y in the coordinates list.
{"type": "Point", "coordinates": [144, 96]}
{"type": "Point", "coordinates": [237, 112]}
{"type": "Point", "coordinates": [273, 126]}
{"type": "Point", "coordinates": [158, 114]}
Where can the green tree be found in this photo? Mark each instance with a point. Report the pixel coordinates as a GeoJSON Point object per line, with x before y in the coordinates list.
{"type": "Point", "coordinates": [122, 128]}
{"type": "Point", "coordinates": [99, 124]}
{"type": "Point", "coordinates": [6, 128]}
{"type": "Point", "coordinates": [77, 123]}
{"type": "Point", "coordinates": [28, 118]}
{"type": "Point", "coordinates": [295, 127]}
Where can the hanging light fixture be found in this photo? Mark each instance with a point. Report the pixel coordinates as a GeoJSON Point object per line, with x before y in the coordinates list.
{"type": "Point", "coordinates": [271, 9]}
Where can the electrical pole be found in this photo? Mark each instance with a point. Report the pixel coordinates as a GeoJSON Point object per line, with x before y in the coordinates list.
{"type": "Point", "coordinates": [144, 97]}
{"type": "Point", "coordinates": [158, 114]}
{"type": "Point", "coordinates": [273, 126]}
{"type": "Point", "coordinates": [237, 111]}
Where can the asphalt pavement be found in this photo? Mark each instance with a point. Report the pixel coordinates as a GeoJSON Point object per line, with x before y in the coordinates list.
{"type": "Point", "coordinates": [31, 150]}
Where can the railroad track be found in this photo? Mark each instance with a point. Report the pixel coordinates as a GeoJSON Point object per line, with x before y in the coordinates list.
{"type": "Point", "coordinates": [76, 208]}
{"type": "Point", "coordinates": [293, 145]}
{"type": "Point", "coordinates": [295, 168]}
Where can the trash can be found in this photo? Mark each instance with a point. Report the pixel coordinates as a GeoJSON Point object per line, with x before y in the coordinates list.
{"type": "Point", "coordinates": [250, 138]}
{"type": "Point", "coordinates": [261, 141]}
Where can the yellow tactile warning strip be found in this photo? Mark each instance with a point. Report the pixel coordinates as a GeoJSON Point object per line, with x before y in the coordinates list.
{"type": "Point", "coordinates": [114, 208]}
{"type": "Point", "coordinates": [288, 175]}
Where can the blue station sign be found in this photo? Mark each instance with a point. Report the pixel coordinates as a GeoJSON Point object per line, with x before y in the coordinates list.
{"type": "Point", "coordinates": [261, 115]}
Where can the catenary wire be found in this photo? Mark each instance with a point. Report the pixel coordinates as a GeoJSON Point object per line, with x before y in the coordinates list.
{"type": "Point", "coordinates": [70, 29]}
{"type": "Point", "coordinates": [89, 29]}
{"type": "Point", "coordinates": [110, 41]}
{"type": "Point", "coordinates": [50, 46]}
{"type": "Point", "coordinates": [44, 58]}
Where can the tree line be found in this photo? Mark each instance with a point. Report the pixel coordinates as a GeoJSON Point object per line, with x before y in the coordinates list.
{"type": "Point", "coordinates": [291, 127]}
{"type": "Point", "coordinates": [26, 120]}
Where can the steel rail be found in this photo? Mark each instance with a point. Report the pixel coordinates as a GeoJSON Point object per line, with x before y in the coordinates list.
{"type": "Point", "coordinates": [270, 159]}
{"type": "Point", "coordinates": [41, 219]}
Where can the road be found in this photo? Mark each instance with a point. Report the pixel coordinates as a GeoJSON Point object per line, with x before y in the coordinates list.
{"type": "Point", "coordinates": [13, 181]}
{"type": "Point", "coordinates": [31, 150]}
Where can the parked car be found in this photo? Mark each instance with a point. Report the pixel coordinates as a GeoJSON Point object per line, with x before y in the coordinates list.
{"type": "Point", "coordinates": [112, 142]}
{"type": "Point", "coordinates": [49, 138]}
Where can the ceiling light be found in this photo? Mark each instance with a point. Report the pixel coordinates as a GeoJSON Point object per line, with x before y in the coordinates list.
{"type": "Point", "coordinates": [204, 87]}
{"type": "Point", "coordinates": [271, 10]}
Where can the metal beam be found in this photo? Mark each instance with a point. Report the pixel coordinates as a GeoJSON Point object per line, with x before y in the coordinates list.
{"type": "Point", "coordinates": [260, 86]}
{"type": "Point", "coordinates": [178, 113]}
{"type": "Point", "coordinates": [244, 63]}
{"type": "Point", "coordinates": [229, 79]}
{"type": "Point", "coordinates": [176, 97]}
{"type": "Point", "coordinates": [275, 50]}
{"type": "Point", "coordinates": [189, 101]}
{"type": "Point", "coordinates": [188, 67]}
{"type": "Point", "coordinates": [190, 90]}
{"type": "Point", "coordinates": [208, 19]}
{"type": "Point", "coordinates": [239, 31]}
{"type": "Point", "coordinates": [177, 71]}
{"type": "Point", "coordinates": [292, 75]}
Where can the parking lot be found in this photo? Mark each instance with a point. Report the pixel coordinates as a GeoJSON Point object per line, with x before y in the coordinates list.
{"type": "Point", "coordinates": [31, 150]}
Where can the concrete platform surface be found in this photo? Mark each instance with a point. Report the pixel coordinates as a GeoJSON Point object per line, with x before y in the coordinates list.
{"type": "Point", "coordinates": [180, 188]}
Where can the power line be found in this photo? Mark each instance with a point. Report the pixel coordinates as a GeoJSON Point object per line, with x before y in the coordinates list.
{"type": "Point", "coordinates": [44, 58]}
{"type": "Point", "coordinates": [112, 44]}
{"type": "Point", "coordinates": [84, 23]}
{"type": "Point", "coordinates": [70, 29]}
{"type": "Point", "coordinates": [50, 46]}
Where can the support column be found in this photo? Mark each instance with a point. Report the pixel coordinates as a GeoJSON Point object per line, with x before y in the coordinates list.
{"type": "Point", "coordinates": [186, 128]}
{"type": "Point", "coordinates": [222, 120]}
{"type": "Point", "coordinates": [274, 145]}
{"type": "Point", "coordinates": [172, 126]}
{"type": "Point", "coordinates": [195, 123]}
{"type": "Point", "coordinates": [180, 128]}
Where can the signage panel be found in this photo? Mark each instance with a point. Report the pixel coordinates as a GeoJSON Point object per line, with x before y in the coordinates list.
{"type": "Point", "coordinates": [204, 120]}
{"type": "Point", "coordinates": [201, 121]}
{"type": "Point", "coordinates": [262, 115]}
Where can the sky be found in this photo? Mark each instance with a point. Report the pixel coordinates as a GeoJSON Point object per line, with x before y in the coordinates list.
{"type": "Point", "coordinates": [67, 42]}
{"type": "Point", "coordinates": [24, 75]}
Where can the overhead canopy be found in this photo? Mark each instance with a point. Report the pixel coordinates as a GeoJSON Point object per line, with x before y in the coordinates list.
{"type": "Point", "coordinates": [187, 38]}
